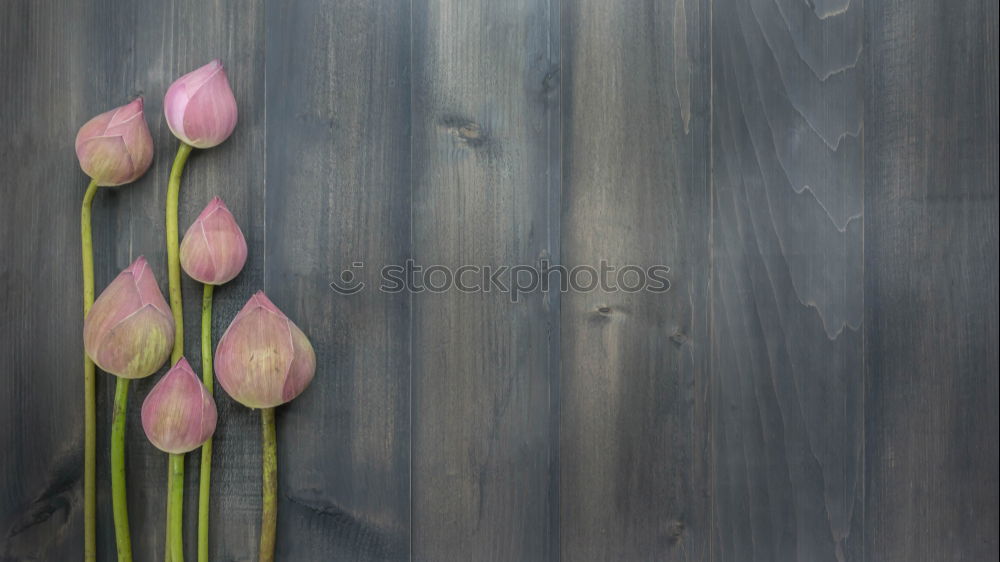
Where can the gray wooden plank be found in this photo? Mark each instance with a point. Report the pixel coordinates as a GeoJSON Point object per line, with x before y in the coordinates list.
{"type": "Point", "coordinates": [338, 192]}
{"type": "Point", "coordinates": [931, 286]}
{"type": "Point", "coordinates": [787, 304]}
{"type": "Point", "coordinates": [481, 427]}
{"type": "Point", "coordinates": [633, 415]}
{"type": "Point", "coordinates": [166, 40]}
{"type": "Point", "coordinates": [59, 71]}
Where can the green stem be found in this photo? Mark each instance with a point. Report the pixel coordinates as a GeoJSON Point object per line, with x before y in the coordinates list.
{"type": "Point", "coordinates": [173, 250]}
{"type": "Point", "coordinates": [206, 449]}
{"type": "Point", "coordinates": [175, 508]}
{"type": "Point", "coordinates": [176, 302]}
{"type": "Point", "coordinates": [89, 389]}
{"type": "Point", "coordinates": [119, 504]}
{"type": "Point", "coordinates": [269, 509]}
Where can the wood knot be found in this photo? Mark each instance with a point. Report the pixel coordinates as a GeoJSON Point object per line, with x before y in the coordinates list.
{"type": "Point", "coordinates": [469, 132]}
{"type": "Point", "coordinates": [465, 130]}
{"type": "Point", "coordinates": [550, 82]}
{"type": "Point", "coordinates": [679, 337]}
{"type": "Point", "coordinates": [674, 532]}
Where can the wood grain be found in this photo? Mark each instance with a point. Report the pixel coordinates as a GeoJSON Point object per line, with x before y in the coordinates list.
{"type": "Point", "coordinates": [931, 282]}
{"type": "Point", "coordinates": [820, 383]}
{"type": "Point", "coordinates": [48, 97]}
{"type": "Point", "coordinates": [163, 49]}
{"type": "Point", "coordinates": [481, 436]}
{"type": "Point", "coordinates": [787, 282]}
{"type": "Point", "coordinates": [635, 190]}
{"type": "Point", "coordinates": [338, 191]}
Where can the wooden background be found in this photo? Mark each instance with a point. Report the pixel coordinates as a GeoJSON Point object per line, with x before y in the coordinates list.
{"type": "Point", "coordinates": [819, 384]}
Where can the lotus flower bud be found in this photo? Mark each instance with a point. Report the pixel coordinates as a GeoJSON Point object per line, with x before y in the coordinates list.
{"type": "Point", "coordinates": [129, 331]}
{"type": "Point", "coordinates": [178, 415]}
{"type": "Point", "coordinates": [200, 107]}
{"type": "Point", "coordinates": [214, 250]}
{"type": "Point", "coordinates": [115, 147]}
{"type": "Point", "coordinates": [264, 360]}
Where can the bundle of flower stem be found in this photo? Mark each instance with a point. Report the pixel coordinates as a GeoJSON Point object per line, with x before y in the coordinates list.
{"type": "Point", "coordinates": [263, 359]}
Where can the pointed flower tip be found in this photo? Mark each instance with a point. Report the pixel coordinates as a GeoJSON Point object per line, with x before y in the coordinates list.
{"type": "Point", "coordinates": [138, 267]}
{"type": "Point", "coordinates": [183, 365]}
{"type": "Point", "coordinates": [207, 72]}
{"type": "Point", "coordinates": [214, 205]}
{"type": "Point", "coordinates": [126, 112]}
{"type": "Point", "coordinates": [261, 300]}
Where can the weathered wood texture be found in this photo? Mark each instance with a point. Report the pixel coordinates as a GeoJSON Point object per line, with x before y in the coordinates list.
{"type": "Point", "coordinates": [40, 482]}
{"type": "Point", "coordinates": [787, 280]}
{"type": "Point", "coordinates": [338, 191]}
{"type": "Point", "coordinates": [819, 383]}
{"type": "Point", "coordinates": [633, 425]}
{"type": "Point", "coordinates": [480, 367]}
{"type": "Point", "coordinates": [931, 180]}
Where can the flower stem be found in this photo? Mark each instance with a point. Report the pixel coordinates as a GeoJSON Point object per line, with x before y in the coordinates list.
{"type": "Point", "coordinates": [175, 508]}
{"type": "Point", "coordinates": [173, 251]}
{"type": "Point", "coordinates": [89, 390]}
{"type": "Point", "coordinates": [177, 309]}
{"type": "Point", "coordinates": [206, 449]}
{"type": "Point", "coordinates": [119, 503]}
{"type": "Point", "coordinates": [269, 510]}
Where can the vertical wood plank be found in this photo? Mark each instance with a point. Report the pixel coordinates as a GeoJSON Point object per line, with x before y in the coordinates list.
{"type": "Point", "coordinates": [338, 192]}
{"type": "Point", "coordinates": [787, 305]}
{"type": "Point", "coordinates": [481, 413]}
{"type": "Point", "coordinates": [169, 39]}
{"type": "Point", "coordinates": [60, 69]}
{"type": "Point", "coordinates": [931, 284]}
{"type": "Point", "coordinates": [633, 420]}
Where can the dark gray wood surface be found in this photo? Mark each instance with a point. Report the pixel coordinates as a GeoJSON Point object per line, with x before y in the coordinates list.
{"type": "Point", "coordinates": [819, 383]}
{"type": "Point", "coordinates": [787, 349]}
{"type": "Point", "coordinates": [338, 191]}
{"type": "Point", "coordinates": [480, 372]}
{"type": "Point", "coordinates": [931, 282]}
{"type": "Point", "coordinates": [635, 190]}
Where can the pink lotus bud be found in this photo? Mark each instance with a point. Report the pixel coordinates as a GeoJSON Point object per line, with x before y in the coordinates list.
{"type": "Point", "coordinates": [178, 415]}
{"type": "Point", "coordinates": [264, 360]}
{"type": "Point", "coordinates": [214, 250]}
{"type": "Point", "coordinates": [115, 147]}
{"type": "Point", "coordinates": [200, 107]}
{"type": "Point", "coordinates": [129, 331]}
